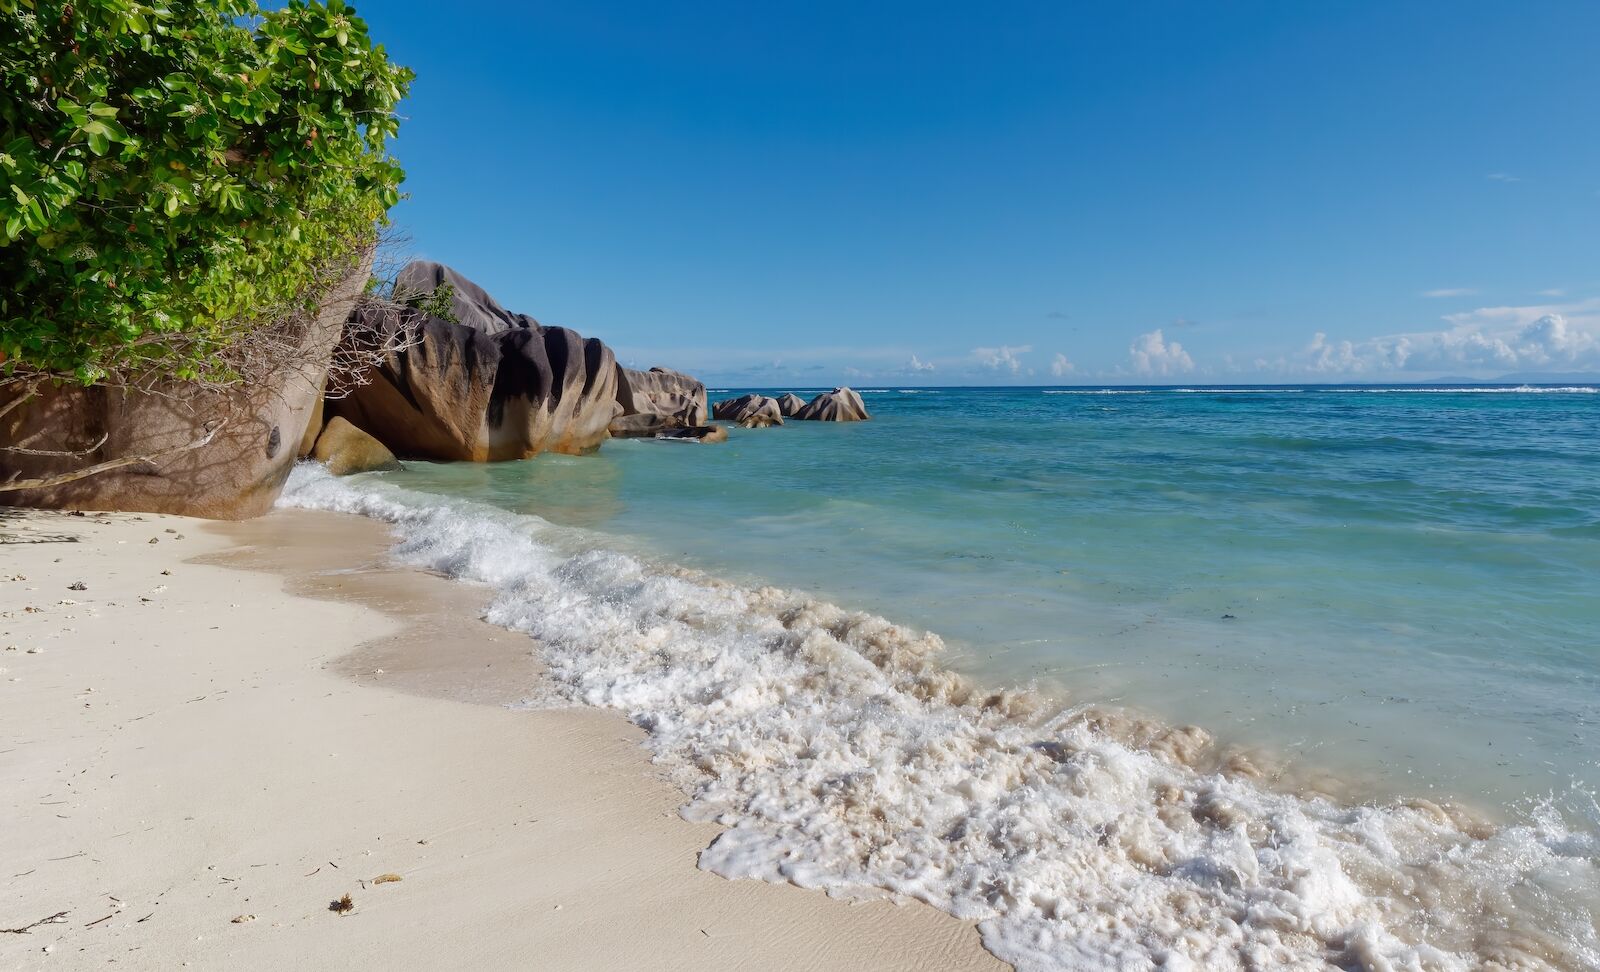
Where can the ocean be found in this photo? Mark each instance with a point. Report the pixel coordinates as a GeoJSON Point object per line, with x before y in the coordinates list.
{"type": "Point", "coordinates": [1136, 677]}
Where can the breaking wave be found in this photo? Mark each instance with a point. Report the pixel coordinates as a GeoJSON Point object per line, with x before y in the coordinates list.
{"type": "Point", "coordinates": [840, 755]}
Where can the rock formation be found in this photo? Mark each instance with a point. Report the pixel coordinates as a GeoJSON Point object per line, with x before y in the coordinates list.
{"type": "Point", "coordinates": [345, 449]}
{"type": "Point", "coordinates": [839, 405]}
{"type": "Point", "coordinates": [702, 433]}
{"type": "Point", "coordinates": [492, 385]}
{"type": "Point", "coordinates": [655, 400]}
{"type": "Point", "coordinates": [175, 448]}
{"type": "Point", "coordinates": [749, 411]}
{"type": "Point", "coordinates": [789, 404]}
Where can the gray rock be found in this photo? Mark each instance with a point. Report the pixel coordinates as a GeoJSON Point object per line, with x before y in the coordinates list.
{"type": "Point", "coordinates": [789, 403]}
{"type": "Point", "coordinates": [700, 433]}
{"type": "Point", "coordinates": [493, 385]}
{"type": "Point", "coordinates": [345, 450]}
{"type": "Point", "coordinates": [749, 411]}
{"type": "Point", "coordinates": [223, 453]}
{"type": "Point", "coordinates": [672, 396]}
{"type": "Point", "coordinates": [839, 405]}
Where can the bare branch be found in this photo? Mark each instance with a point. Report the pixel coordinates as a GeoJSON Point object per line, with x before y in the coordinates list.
{"type": "Point", "coordinates": [31, 382]}
{"type": "Point", "coordinates": [66, 453]}
{"type": "Point", "coordinates": [61, 479]}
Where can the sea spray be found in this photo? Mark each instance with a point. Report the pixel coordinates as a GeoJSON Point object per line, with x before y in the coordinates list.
{"type": "Point", "coordinates": [840, 756]}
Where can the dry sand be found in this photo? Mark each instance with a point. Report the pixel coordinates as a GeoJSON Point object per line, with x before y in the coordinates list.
{"type": "Point", "coordinates": [195, 764]}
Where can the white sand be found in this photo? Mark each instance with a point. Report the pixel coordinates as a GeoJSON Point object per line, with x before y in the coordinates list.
{"type": "Point", "coordinates": [226, 748]}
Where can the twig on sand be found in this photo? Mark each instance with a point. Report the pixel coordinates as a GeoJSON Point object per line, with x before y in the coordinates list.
{"type": "Point", "coordinates": [99, 920]}
{"type": "Point", "coordinates": [25, 929]}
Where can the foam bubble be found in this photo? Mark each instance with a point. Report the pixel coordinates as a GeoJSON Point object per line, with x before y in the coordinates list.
{"type": "Point", "coordinates": [840, 755]}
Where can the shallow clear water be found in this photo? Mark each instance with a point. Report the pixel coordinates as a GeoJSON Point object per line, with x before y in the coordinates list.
{"type": "Point", "coordinates": [1392, 589]}
{"type": "Point", "coordinates": [1400, 587]}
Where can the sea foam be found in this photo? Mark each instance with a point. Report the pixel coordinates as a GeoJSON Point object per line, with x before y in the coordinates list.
{"type": "Point", "coordinates": [840, 755]}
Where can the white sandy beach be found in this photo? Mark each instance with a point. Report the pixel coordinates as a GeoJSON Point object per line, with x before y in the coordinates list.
{"type": "Point", "coordinates": [196, 759]}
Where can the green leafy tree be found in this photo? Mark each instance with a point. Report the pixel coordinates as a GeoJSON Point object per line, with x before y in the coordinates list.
{"type": "Point", "coordinates": [176, 175]}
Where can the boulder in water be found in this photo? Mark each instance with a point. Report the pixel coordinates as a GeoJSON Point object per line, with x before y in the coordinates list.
{"type": "Point", "coordinates": [491, 385]}
{"type": "Point", "coordinates": [790, 404]}
{"type": "Point", "coordinates": [345, 450]}
{"type": "Point", "coordinates": [675, 399]}
{"type": "Point", "coordinates": [749, 411]}
{"type": "Point", "coordinates": [839, 405]}
{"type": "Point", "coordinates": [699, 433]}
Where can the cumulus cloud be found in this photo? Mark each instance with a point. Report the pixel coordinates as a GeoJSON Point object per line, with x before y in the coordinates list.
{"type": "Point", "coordinates": [1003, 358]}
{"type": "Point", "coordinates": [1484, 340]}
{"type": "Point", "coordinates": [917, 364]}
{"type": "Point", "coordinates": [1450, 292]}
{"type": "Point", "coordinates": [1152, 354]}
{"type": "Point", "coordinates": [1059, 365]}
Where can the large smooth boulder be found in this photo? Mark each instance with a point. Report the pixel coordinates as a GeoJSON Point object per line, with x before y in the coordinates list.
{"type": "Point", "coordinates": [839, 405]}
{"type": "Point", "coordinates": [675, 399]}
{"type": "Point", "coordinates": [175, 447]}
{"type": "Point", "coordinates": [749, 411]}
{"type": "Point", "coordinates": [346, 450]}
{"type": "Point", "coordinates": [790, 404]}
{"type": "Point", "coordinates": [490, 385]}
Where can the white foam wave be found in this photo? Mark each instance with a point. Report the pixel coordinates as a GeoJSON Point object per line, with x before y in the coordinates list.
{"type": "Point", "coordinates": [840, 756]}
{"type": "Point", "coordinates": [1482, 390]}
{"type": "Point", "coordinates": [1381, 390]}
{"type": "Point", "coordinates": [1237, 391]}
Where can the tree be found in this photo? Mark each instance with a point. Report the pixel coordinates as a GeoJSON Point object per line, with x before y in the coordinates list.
{"type": "Point", "coordinates": [177, 178]}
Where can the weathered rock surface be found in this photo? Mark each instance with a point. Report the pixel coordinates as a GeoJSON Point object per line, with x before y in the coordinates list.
{"type": "Point", "coordinates": [673, 398]}
{"type": "Point", "coordinates": [749, 411]}
{"type": "Point", "coordinates": [493, 385]}
{"type": "Point", "coordinates": [345, 450]}
{"type": "Point", "coordinates": [220, 453]}
{"type": "Point", "coordinates": [839, 405]}
{"type": "Point", "coordinates": [700, 433]}
{"type": "Point", "coordinates": [789, 404]}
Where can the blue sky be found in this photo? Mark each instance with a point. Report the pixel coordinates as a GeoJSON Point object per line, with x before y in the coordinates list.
{"type": "Point", "coordinates": [1036, 193]}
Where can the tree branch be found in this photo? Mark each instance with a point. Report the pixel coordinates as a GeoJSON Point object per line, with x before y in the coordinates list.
{"type": "Point", "coordinates": [61, 479]}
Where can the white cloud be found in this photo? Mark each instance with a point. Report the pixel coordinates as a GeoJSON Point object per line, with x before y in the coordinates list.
{"type": "Point", "coordinates": [1152, 354]}
{"type": "Point", "coordinates": [917, 364]}
{"type": "Point", "coordinates": [1553, 292]}
{"type": "Point", "coordinates": [1450, 292]}
{"type": "Point", "coordinates": [1004, 357]}
{"type": "Point", "coordinates": [1059, 365]}
{"type": "Point", "coordinates": [1489, 339]}
{"type": "Point", "coordinates": [1502, 177]}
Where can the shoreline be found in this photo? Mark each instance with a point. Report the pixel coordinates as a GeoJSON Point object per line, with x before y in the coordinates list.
{"type": "Point", "coordinates": [844, 756]}
{"type": "Point", "coordinates": [258, 762]}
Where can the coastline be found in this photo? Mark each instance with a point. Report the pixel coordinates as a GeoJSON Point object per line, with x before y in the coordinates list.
{"type": "Point", "coordinates": [172, 767]}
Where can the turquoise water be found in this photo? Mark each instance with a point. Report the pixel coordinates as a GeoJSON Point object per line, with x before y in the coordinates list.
{"type": "Point", "coordinates": [1398, 587]}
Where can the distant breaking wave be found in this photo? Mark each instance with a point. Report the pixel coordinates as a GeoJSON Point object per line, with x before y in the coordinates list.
{"type": "Point", "coordinates": [1342, 390]}
{"type": "Point", "coordinates": [839, 755]}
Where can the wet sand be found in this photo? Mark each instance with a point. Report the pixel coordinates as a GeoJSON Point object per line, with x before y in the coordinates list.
{"type": "Point", "coordinates": [194, 765]}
